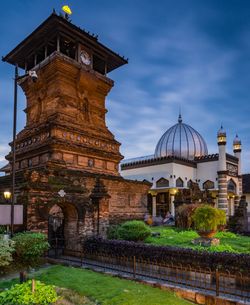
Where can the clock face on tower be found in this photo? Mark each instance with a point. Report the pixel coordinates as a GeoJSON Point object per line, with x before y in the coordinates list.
{"type": "Point", "coordinates": [85, 58]}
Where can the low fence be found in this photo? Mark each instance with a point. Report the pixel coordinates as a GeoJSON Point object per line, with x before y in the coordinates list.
{"type": "Point", "coordinates": [215, 282]}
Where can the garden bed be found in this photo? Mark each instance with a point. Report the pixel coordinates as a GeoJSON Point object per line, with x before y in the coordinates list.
{"type": "Point", "coordinates": [229, 242]}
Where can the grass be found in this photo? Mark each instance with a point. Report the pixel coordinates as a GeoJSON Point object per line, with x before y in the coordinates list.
{"type": "Point", "coordinates": [103, 289]}
{"type": "Point", "coordinates": [182, 238]}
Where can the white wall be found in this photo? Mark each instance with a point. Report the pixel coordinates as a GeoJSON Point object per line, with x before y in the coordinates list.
{"type": "Point", "coordinates": [207, 171]}
{"type": "Point", "coordinates": [155, 171]}
{"type": "Point", "coordinates": [161, 171]}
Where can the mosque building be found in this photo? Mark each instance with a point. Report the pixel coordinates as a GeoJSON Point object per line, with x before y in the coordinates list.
{"type": "Point", "coordinates": [180, 160]}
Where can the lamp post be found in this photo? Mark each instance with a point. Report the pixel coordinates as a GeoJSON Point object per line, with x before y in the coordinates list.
{"type": "Point", "coordinates": [14, 153]}
{"type": "Point", "coordinates": [7, 195]}
{"type": "Point", "coordinates": [33, 76]}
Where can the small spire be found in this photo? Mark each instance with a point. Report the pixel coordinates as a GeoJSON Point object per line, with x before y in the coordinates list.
{"type": "Point", "coordinates": [237, 140]}
{"type": "Point", "coordinates": [179, 118]}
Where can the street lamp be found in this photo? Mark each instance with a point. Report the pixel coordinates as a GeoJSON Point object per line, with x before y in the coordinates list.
{"type": "Point", "coordinates": [7, 195]}
{"type": "Point", "coordinates": [33, 76]}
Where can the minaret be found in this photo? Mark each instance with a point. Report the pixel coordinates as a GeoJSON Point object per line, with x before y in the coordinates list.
{"type": "Point", "coordinates": [237, 153]}
{"type": "Point", "coordinates": [222, 170]}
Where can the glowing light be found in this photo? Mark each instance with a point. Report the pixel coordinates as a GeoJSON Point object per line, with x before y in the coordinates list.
{"type": "Point", "coordinates": [67, 9]}
{"type": "Point", "coordinates": [7, 195]}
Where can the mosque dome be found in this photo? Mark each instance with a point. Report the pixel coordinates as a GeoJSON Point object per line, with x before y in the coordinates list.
{"type": "Point", "coordinates": [181, 140]}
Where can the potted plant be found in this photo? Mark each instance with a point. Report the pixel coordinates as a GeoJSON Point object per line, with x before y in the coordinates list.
{"type": "Point", "coordinates": [207, 219]}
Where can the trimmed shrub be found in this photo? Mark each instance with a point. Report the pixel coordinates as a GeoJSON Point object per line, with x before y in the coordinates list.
{"type": "Point", "coordinates": [29, 247]}
{"type": "Point", "coordinates": [233, 262]}
{"type": "Point", "coordinates": [207, 218]}
{"type": "Point", "coordinates": [112, 232]}
{"type": "Point", "coordinates": [21, 294]}
{"type": "Point", "coordinates": [6, 250]}
{"type": "Point", "coordinates": [134, 230]}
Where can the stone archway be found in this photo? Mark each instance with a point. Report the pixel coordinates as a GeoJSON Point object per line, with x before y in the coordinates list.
{"type": "Point", "coordinates": [56, 226]}
{"type": "Point", "coordinates": [63, 224]}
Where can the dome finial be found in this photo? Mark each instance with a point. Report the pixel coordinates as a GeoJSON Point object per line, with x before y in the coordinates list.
{"type": "Point", "coordinates": [180, 118]}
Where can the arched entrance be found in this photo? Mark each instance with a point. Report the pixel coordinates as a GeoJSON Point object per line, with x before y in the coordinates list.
{"type": "Point", "coordinates": [63, 226]}
{"type": "Point", "coordinates": [56, 226]}
{"type": "Point", "coordinates": [231, 191]}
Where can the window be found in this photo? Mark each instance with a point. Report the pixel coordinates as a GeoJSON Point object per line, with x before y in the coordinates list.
{"type": "Point", "coordinates": [179, 182]}
{"type": "Point", "coordinates": [208, 185]}
{"type": "Point", "coordinates": [162, 183]}
{"type": "Point", "coordinates": [231, 186]}
{"type": "Point", "coordinates": [189, 184]}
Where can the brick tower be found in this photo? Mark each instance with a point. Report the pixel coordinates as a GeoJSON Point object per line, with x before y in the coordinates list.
{"type": "Point", "coordinates": [66, 158]}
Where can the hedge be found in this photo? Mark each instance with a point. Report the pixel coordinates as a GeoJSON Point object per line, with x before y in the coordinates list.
{"type": "Point", "coordinates": [203, 259]}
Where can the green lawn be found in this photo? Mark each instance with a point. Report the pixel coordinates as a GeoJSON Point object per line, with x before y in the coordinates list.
{"type": "Point", "coordinates": [180, 238]}
{"type": "Point", "coordinates": [104, 289]}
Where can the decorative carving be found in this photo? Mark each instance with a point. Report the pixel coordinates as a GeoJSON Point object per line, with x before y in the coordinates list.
{"type": "Point", "coordinates": [232, 169]}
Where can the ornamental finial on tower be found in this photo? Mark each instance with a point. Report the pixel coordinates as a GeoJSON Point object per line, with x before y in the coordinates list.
{"type": "Point", "coordinates": [237, 144]}
{"type": "Point", "coordinates": [221, 136]}
{"type": "Point", "coordinates": [180, 118]}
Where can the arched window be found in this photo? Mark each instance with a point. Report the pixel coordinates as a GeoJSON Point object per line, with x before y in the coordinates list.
{"type": "Point", "coordinates": [208, 185]}
{"type": "Point", "coordinates": [231, 186]}
{"type": "Point", "coordinates": [162, 183]}
{"type": "Point", "coordinates": [179, 182]}
{"type": "Point", "coordinates": [189, 184]}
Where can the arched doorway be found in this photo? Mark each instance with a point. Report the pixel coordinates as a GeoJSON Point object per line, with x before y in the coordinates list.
{"type": "Point", "coordinates": [63, 226]}
{"type": "Point", "coordinates": [56, 226]}
{"type": "Point", "coordinates": [231, 192]}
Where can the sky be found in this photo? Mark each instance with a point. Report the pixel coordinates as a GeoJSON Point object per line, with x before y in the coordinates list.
{"type": "Point", "coordinates": [191, 55]}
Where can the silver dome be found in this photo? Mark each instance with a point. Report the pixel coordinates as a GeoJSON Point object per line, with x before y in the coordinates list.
{"type": "Point", "coordinates": [181, 140]}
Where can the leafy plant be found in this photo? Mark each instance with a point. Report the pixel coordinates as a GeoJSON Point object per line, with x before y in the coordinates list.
{"type": "Point", "coordinates": [134, 230]}
{"type": "Point", "coordinates": [6, 250]}
{"type": "Point", "coordinates": [21, 294]}
{"type": "Point", "coordinates": [207, 218]}
{"type": "Point", "coordinates": [113, 232]}
{"type": "Point", "coordinates": [2, 229]}
{"type": "Point", "coordinates": [29, 247]}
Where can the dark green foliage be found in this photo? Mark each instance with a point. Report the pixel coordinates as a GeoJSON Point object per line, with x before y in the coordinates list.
{"type": "Point", "coordinates": [176, 255]}
{"type": "Point", "coordinates": [113, 232]}
{"type": "Point", "coordinates": [207, 218]}
{"type": "Point", "coordinates": [29, 247]}
{"type": "Point", "coordinates": [2, 229]}
{"type": "Point", "coordinates": [133, 230]}
{"type": "Point", "coordinates": [6, 250]}
{"type": "Point", "coordinates": [21, 294]}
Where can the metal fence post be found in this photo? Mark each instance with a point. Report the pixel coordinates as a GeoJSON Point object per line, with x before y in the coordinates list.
{"type": "Point", "coordinates": [134, 266]}
{"type": "Point", "coordinates": [217, 276]}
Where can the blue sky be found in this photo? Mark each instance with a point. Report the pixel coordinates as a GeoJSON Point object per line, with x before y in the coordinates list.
{"type": "Point", "coordinates": [191, 54]}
